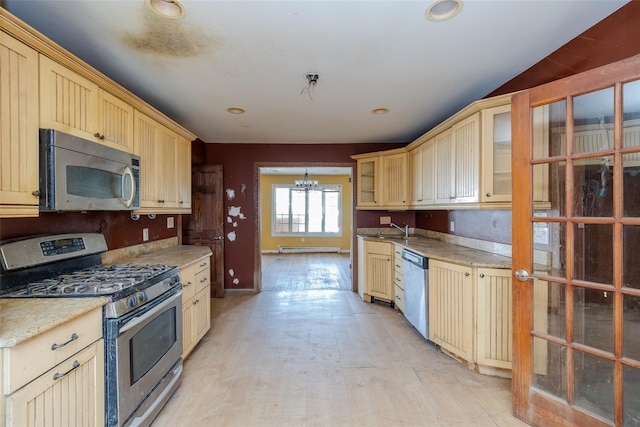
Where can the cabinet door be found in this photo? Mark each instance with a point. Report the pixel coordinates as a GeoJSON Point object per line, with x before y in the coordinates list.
{"type": "Point", "coordinates": [18, 129]}
{"type": "Point", "coordinates": [166, 168]}
{"type": "Point", "coordinates": [494, 347]}
{"type": "Point", "coordinates": [416, 183]}
{"type": "Point", "coordinates": [201, 313]}
{"type": "Point", "coordinates": [71, 394]}
{"type": "Point", "coordinates": [183, 165]}
{"type": "Point", "coordinates": [445, 167]}
{"type": "Point", "coordinates": [451, 308]}
{"type": "Point", "coordinates": [115, 122]}
{"type": "Point", "coordinates": [379, 270]}
{"type": "Point", "coordinates": [146, 132]}
{"type": "Point", "coordinates": [394, 179]}
{"type": "Point", "coordinates": [466, 141]}
{"type": "Point", "coordinates": [428, 176]}
{"type": "Point", "coordinates": [368, 185]}
{"type": "Point", "coordinates": [496, 159]}
{"type": "Point", "coordinates": [68, 102]}
{"type": "Point", "coordinates": [188, 339]}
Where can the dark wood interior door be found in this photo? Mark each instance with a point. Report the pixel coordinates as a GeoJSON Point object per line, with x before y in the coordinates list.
{"type": "Point", "coordinates": [205, 225]}
{"type": "Point", "coordinates": [576, 239]}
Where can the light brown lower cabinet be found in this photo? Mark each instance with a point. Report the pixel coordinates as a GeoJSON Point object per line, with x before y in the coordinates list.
{"type": "Point", "coordinates": [398, 278]}
{"type": "Point", "coordinates": [470, 315]}
{"type": "Point", "coordinates": [196, 303]}
{"type": "Point", "coordinates": [57, 377]}
{"type": "Point", "coordinates": [376, 267]}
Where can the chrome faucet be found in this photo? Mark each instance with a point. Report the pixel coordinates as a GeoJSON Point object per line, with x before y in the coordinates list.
{"type": "Point", "coordinates": [405, 230]}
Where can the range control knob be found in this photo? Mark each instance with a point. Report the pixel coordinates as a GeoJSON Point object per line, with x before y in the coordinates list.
{"type": "Point", "coordinates": [142, 297]}
{"type": "Point", "coordinates": [175, 279]}
{"type": "Point", "coordinates": [133, 301]}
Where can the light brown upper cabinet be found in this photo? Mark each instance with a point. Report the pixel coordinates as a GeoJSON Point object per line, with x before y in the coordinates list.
{"type": "Point", "coordinates": [76, 105]}
{"type": "Point", "coordinates": [496, 154]}
{"type": "Point", "coordinates": [394, 180]}
{"type": "Point", "coordinates": [368, 182]}
{"type": "Point", "coordinates": [165, 161]}
{"type": "Point", "coordinates": [382, 180]}
{"type": "Point", "coordinates": [18, 129]}
{"type": "Point", "coordinates": [422, 174]}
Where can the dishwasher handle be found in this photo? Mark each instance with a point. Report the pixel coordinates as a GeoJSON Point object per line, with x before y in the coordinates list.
{"type": "Point", "coordinates": [415, 259]}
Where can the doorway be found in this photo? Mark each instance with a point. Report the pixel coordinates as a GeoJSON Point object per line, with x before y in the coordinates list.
{"type": "Point", "coordinates": [311, 226]}
{"type": "Point", "coordinates": [576, 222]}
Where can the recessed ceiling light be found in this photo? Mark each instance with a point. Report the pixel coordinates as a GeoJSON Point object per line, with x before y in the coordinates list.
{"type": "Point", "coordinates": [380, 111]}
{"type": "Point", "coordinates": [235, 110]}
{"type": "Point", "coordinates": [442, 10]}
{"type": "Point", "coordinates": [171, 9]}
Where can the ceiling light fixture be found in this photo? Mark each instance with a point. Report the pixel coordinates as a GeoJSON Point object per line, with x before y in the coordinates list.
{"type": "Point", "coordinates": [307, 184]}
{"type": "Point", "coordinates": [236, 110]}
{"type": "Point", "coordinates": [171, 9]}
{"type": "Point", "coordinates": [380, 111]}
{"type": "Point", "coordinates": [443, 10]}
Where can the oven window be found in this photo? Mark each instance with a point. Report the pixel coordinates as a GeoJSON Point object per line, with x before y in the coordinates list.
{"type": "Point", "coordinates": [92, 182]}
{"type": "Point", "coordinates": [151, 343]}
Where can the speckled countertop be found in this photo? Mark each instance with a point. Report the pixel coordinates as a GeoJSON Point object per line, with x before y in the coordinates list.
{"type": "Point", "coordinates": [24, 318]}
{"type": "Point", "coordinates": [443, 251]}
{"type": "Point", "coordinates": [174, 255]}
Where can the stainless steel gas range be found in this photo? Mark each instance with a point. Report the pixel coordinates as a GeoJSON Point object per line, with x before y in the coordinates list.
{"type": "Point", "coordinates": [142, 322]}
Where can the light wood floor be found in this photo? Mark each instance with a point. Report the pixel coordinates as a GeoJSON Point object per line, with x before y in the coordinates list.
{"type": "Point", "coordinates": [312, 271]}
{"type": "Point", "coordinates": [325, 358]}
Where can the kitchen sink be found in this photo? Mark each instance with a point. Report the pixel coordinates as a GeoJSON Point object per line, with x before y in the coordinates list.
{"type": "Point", "coordinates": [391, 237]}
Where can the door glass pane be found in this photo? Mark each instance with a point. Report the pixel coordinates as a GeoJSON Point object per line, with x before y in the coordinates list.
{"type": "Point", "coordinates": [593, 190]}
{"type": "Point", "coordinates": [631, 109]}
{"type": "Point", "coordinates": [593, 252]}
{"type": "Point", "coordinates": [631, 182]}
{"type": "Point", "coordinates": [549, 308]}
{"type": "Point", "coordinates": [549, 130]}
{"type": "Point", "coordinates": [592, 121]}
{"type": "Point", "coordinates": [631, 327]}
{"type": "Point", "coordinates": [593, 318]}
{"type": "Point", "coordinates": [549, 248]}
{"type": "Point", "coordinates": [631, 396]}
{"type": "Point", "coordinates": [630, 261]}
{"type": "Point", "coordinates": [549, 187]}
{"type": "Point", "coordinates": [549, 366]}
{"type": "Point", "coordinates": [593, 384]}
{"type": "Point", "coordinates": [502, 153]}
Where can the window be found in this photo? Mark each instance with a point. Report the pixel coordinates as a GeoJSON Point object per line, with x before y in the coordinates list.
{"type": "Point", "coordinates": [306, 212]}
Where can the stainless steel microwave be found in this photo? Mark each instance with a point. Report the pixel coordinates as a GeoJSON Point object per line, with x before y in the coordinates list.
{"type": "Point", "coordinates": [81, 175]}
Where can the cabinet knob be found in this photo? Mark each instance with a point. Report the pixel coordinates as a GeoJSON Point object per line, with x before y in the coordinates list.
{"type": "Point", "coordinates": [466, 274]}
{"type": "Point", "coordinates": [488, 194]}
{"type": "Point", "coordinates": [481, 275]}
{"type": "Point", "coordinates": [161, 201]}
{"type": "Point", "coordinates": [98, 135]}
{"type": "Point", "coordinates": [35, 193]}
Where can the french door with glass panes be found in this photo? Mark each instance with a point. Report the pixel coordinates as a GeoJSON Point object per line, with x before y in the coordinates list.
{"type": "Point", "coordinates": [576, 250]}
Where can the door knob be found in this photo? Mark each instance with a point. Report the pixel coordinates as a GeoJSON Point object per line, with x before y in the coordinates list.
{"type": "Point", "coordinates": [217, 238]}
{"type": "Point", "coordinates": [523, 275]}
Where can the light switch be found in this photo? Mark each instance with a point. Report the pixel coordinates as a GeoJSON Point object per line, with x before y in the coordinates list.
{"type": "Point", "coordinates": [170, 222]}
{"type": "Point", "coordinates": [145, 234]}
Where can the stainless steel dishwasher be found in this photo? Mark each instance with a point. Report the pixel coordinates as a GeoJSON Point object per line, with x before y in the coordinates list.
{"type": "Point", "coordinates": [415, 271]}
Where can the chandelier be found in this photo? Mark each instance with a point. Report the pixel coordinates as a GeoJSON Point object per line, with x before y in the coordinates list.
{"type": "Point", "coordinates": [307, 184]}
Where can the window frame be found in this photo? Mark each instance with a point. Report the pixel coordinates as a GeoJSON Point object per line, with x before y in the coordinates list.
{"type": "Point", "coordinates": [326, 188]}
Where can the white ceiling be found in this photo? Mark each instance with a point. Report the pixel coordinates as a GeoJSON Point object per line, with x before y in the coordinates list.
{"type": "Point", "coordinates": [255, 55]}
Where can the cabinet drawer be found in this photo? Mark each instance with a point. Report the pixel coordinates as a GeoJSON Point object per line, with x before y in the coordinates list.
{"type": "Point", "coordinates": [37, 355]}
{"type": "Point", "coordinates": [202, 264]}
{"type": "Point", "coordinates": [188, 278]}
{"type": "Point", "coordinates": [399, 298]}
{"type": "Point", "coordinates": [202, 280]}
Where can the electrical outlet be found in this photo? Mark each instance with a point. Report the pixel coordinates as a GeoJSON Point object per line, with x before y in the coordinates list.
{"type": "Point", "coordinates": [170, 222]}
{"type": "Point", "coordinates": [302, 240]}
{"type": "Point", "coordinates": [452, 226]}
{"type": "Point", "coordinates": [145, 234]}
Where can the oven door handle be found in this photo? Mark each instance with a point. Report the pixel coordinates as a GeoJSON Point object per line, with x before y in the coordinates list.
{"type": "Point", "coordinates": [143, 318]}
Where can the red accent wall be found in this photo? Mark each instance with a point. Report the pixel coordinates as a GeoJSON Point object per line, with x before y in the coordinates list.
{"type": "Point", "coordinates": [239, 167]}
{"type": "Point", "coordinates": [118, 228]}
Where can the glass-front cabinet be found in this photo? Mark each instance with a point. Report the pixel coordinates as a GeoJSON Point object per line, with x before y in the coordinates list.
{"type": "Point", "coordinates": [368, 182]}
{"type": "Point", "coordinates": [496, 162]}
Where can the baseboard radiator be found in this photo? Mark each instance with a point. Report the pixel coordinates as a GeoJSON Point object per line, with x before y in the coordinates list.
{"type": "Point", "coordinates": [306, 249]}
